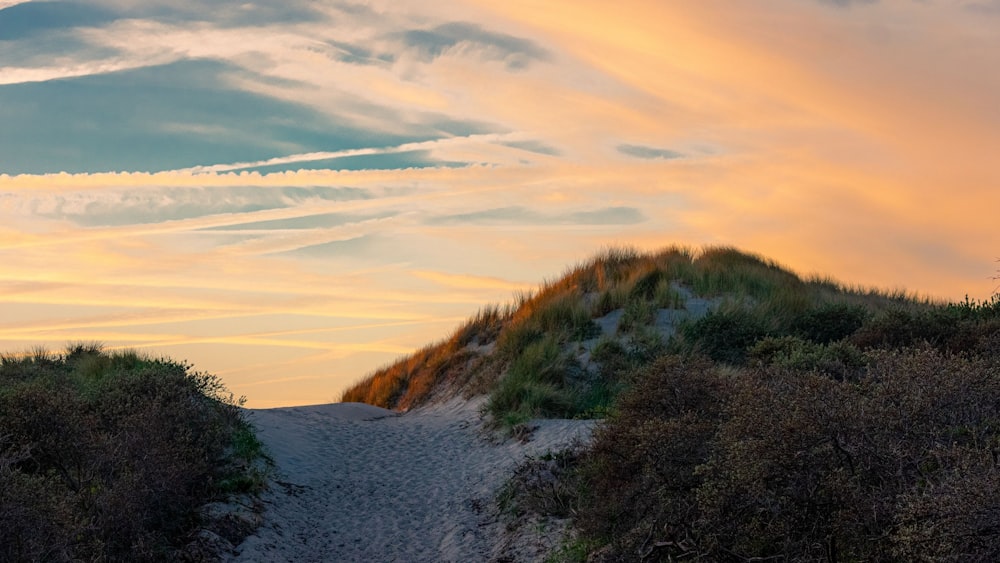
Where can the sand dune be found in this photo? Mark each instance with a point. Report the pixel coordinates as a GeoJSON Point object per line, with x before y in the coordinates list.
{"type": "Point", "coordinates": [358, 483]}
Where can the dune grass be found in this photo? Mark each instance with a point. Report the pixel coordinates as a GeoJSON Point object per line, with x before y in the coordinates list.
{"type": "Point", "coordinates": [107, 456]}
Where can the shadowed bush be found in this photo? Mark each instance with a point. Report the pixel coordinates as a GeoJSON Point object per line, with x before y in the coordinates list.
{"type": "Point", "coordinates": [829, 322]}
{"type": "Point", "coordinates": [106, 457]}
{"type": "Point", "coordinates": [840, 360]}
{"type": "Point", "coordinates": [725, 336]}
{"type": "Point", "coordinates": [780, 464]}
{"type": "Point", "coordinates": [640, 472]}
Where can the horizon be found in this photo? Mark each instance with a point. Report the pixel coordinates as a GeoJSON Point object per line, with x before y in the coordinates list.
{"type": "Point", "coordinates": [291, 195]}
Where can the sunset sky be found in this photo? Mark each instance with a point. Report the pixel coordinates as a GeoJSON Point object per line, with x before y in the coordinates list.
{"type": "Point", "coordinates": [291, 193]}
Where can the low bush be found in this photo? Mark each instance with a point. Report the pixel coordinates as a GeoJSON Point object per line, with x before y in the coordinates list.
{"type": "Point", "coordinates": [777, 463]}
{"type": "Point", "coordinates": [640, 472]}
{"type": "Point", "coordinates": [106, 457]}
{"type": "Point", "coordinates": [829, 322]}
{"type": "Point", "coordinates": [840, 360]}
{"type": "Point", "coordinates": [725, 336]}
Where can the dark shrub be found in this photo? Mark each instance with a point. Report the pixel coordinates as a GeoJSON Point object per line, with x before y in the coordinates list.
{"type": "Point", "coordinates": [829, 322]}
{"type": "Point", "coordinates": [641, 471]}
{"type": "Point", "coordinates": [952, 328]}
{"type": "Point", "coordinates": [107, 458]}
{"type": "Point", "coordinates": [955, 516]}
{"type": "Point", "coordinates": [34, 524]}
{"type": "Point", "coordinates": [725, 336]}
{"type": "Point", "coordinates": [839, 360]}
{"type": "Point", "coordinates": [807, 468]}
{"type": "Point", "coordinates": [779, 479]}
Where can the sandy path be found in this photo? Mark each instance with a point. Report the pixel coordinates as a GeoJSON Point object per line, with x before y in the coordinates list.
{"type": "Point", "coordinates": [358, 483]}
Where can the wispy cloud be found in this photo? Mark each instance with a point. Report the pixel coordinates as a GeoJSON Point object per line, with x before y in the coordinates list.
{"type": "Point", "coordinates": [464, 38]}
{"type": "Point", "coordinates": [466, 281]}
{"type": "Point", "coordinates": [436, 144]}
{"type": "Point", "coordinates": [522, 215]}
{"type": "Point", "coordinates": [649, 153]}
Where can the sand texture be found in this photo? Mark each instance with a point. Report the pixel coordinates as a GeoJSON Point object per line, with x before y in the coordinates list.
{"type": "Point", "coordinates": [359, 483]}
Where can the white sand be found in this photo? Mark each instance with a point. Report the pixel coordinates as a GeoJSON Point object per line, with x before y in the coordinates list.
{"type": "Point", "coordinates": [360, 483]}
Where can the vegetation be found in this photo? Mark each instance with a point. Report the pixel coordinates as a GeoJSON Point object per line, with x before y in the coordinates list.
{"type": "Point", "coordinates": [751, 414]}
{"type": "Point", "coordinates": [108, 456]}
{"type": "Point", "coordinates": [751, 299]}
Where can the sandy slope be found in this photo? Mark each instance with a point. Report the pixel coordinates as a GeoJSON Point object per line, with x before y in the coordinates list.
{"type": "Point", "coordinates": [359, 483]}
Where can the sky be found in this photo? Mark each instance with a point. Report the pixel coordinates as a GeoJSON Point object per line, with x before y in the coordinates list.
{"type": "Point", "coordinates": [290, 194]}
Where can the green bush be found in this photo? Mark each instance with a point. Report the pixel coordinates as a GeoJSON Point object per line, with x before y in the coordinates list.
{"type": "Point", "coordinates": [829, 322]}
{"type": "Point", "coordinates": [839, 360]}
{"type": "Point", "coordinates": [964, 327]}
{"type": "Point", "coordinates": [725, 336]}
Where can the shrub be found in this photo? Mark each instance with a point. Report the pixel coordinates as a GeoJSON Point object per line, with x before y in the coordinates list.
{"type": "Point", "coordinates": [839, 360]}
{"type": "Point", "coordinates": [725, 336]}
{"type": "Point", "coordinates": [829, 322]}
{"type": "Point", "coordinates": [955, 515]}
{"type": "Point", "coordinates": [781, 463]}
{"type": "Point", "coordinates": [808, 468]}
{"type": "Point", "coordinates": [107, 457]}
{"type": "Point", "coordinates": [641, 469]}
{"type": "Point", "coordinates": [777, 481]}
{"type": "Point", "coordinates": [964, 327]}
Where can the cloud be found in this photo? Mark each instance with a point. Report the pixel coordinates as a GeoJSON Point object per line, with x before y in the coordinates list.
{"type": "Point", "coordinates": [458, 37]}
{"type": "Point", "coordinates": [534, 146]}
{"type": "Point", "coordinates": [417, 152]}
{"type": "Point", "coordinates": [142, 113]}
{"type": "Point", "coordinates": [140, 206]}
{"type": "Point", "coordinates": [318, 221]}
{"type": "Point", "coordinates": [648, 153]}
{"type": "Point", "coordinates": [607, 216]}
{"type": "Point", "coordinates": [225, 13]}
{"type": "Point", "coordinates": [29, 19]}
{"type": "Point", "coordinates": [355, 54]}
{"type": "Point", "coordinates": [465, 281]}
{"type": "Point", "coordinates": [517, 215]}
